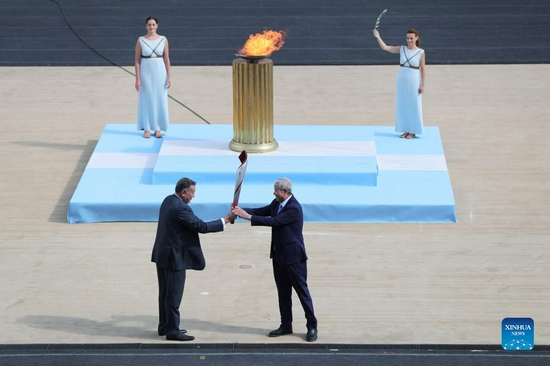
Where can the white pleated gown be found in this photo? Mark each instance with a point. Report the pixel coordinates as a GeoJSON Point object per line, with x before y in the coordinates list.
{"type": "Point", "coordinates": [153, 95]}
{"type": "Point", "coordinates": [408, 115]}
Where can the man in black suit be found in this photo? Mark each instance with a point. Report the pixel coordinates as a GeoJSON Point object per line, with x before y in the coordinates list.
{"type": "Point", "coordinates": [288, 253]}
{"type": "Point", "coordinates": [177, 248]}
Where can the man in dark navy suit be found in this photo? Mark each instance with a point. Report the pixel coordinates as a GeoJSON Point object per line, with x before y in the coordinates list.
{"type": "Point", "coordinates": [177, 248]}
{"type": "Point", "coordinates": [288, 253]}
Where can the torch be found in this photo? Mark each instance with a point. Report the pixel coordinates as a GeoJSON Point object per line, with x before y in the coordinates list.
{"type": "Point", "coordinates": [241, 171]}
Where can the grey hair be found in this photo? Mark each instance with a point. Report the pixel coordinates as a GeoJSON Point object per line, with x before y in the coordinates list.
{"type": "Point", "coordinates": [284, 184]}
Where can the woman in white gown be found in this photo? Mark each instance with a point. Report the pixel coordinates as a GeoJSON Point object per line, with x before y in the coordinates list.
{"type": "Point", "coordinates": [152, 65]}
{"type": "Point", "coordinates": [410, 84]}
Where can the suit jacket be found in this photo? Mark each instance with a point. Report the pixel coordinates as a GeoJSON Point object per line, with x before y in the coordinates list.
{"type": "Point", "coordinates": [287, 241]}
{"type": "Point", "coordinates": [177, 245]}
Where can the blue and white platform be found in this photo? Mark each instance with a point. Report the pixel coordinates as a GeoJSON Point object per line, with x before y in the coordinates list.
{"type": "Point", "coordinates": [340, 174]}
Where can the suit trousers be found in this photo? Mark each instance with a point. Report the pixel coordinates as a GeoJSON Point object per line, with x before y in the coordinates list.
{"type": "Point", "coordinates": [288, 276]}
{"type": "Point", "coordinates": [171, 284]}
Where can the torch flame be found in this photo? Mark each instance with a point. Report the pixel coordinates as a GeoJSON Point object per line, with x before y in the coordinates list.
{"type": "Point", "coordinates": [263, 44]}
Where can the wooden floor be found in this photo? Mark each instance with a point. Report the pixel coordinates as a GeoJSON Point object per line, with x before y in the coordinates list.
{"type": "Point", "coordinates": [371, 284]}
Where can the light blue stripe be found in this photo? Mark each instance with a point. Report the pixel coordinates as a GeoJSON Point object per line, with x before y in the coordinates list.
{"type": "Point", "coordinates": [300, 169]}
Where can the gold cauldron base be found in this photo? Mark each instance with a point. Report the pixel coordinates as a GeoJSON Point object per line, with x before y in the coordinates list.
{"type": "Point", "coordinates": [254, 148]}
{"type": "Point", "coordinates": [253, 105]}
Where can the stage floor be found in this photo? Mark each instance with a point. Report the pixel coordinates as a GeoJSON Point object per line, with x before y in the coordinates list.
{"type": "Point", "coordinates": [341, 174]}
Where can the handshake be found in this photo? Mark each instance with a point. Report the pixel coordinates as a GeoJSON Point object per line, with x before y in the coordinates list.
{"type": "Point", "coordinates": [235, 212]}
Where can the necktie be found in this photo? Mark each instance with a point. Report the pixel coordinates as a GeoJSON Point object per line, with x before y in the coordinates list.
{"type": "Point", "coordinates": [280, 208]}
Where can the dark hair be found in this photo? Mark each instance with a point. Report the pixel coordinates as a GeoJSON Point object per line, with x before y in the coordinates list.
{"type": "Point", "coordinates": [184, 184]}
{"type": "Point", "coordinates": [151, 18]}
{"type": "Point", "coordinates": [415, 32]}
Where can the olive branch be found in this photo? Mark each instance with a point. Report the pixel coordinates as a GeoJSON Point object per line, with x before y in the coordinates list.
{"type": "Point", "coordinates": [378, 19]}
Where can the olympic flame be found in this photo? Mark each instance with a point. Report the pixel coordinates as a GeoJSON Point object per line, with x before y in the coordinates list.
{"type": "Point", "coordinates": [263, 44]}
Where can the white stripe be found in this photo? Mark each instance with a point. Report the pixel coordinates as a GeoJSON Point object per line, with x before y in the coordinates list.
{"type": "Point", "coordinates": [286, 148]}
{"type": "Point", "coordinates": [385, 162]}
{"type": "Point", "coordinates": [411, 162]}
{"type": "Point", "coordinates": [122, 161]}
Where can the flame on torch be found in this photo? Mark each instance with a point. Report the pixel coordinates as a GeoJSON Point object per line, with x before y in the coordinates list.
{"type": "Point", "coordinates": [263, 44]}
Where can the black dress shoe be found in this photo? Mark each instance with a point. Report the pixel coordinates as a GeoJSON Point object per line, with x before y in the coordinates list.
{"type": "Point", "coordinates": [280, 332]}
{"type": "Point", "coordinates": [162, 334]}
{"type": "Point", "coordinates": [311, 335]}
{"type": "Point", "coordinates": [179, 336]}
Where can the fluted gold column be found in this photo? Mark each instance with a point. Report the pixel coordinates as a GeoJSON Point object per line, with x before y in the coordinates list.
{"type": "Point", "coordinates": [253, 106]}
